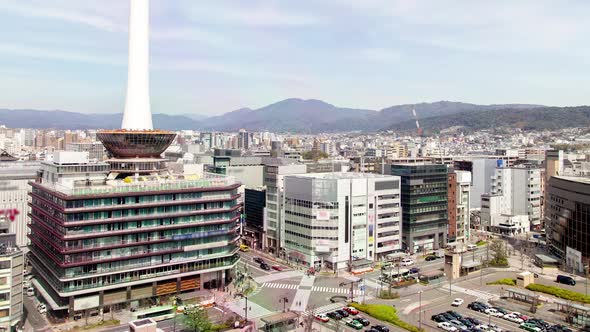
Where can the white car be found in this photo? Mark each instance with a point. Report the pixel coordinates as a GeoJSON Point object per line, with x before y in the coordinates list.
{"type": "Point", "coordinates": [30, 291]}
{"type": "Point", "coordinates": [493, 312]}
{"type": "Point", "coordinates": [407, 261]}
{"type": "Point", "coordinates": [513, 318]}
{"type": "Point", "coordinates": [42, 308]}
{"type": "Point", "coordinates": [457, 302]}
{"type": "Point", "coordinates": [483, 327]}
{"type": "Point", "coordinates": [494, 327]}
{"type": "Point", "coordinates": [447, 326]}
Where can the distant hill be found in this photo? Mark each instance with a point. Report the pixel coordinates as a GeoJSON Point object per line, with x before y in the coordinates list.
{"type": "Point", "coordinates": [528, 119]}
{"type": "Point", "coordinates": [289, 115]}
{"type": "Point", "coordinates": [72, 120]}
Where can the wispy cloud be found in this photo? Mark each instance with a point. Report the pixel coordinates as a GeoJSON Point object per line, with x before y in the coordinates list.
{"type": "Point", "coordinates": [67, 14]}
{"type": "Point", "coordinates": [61, 55]}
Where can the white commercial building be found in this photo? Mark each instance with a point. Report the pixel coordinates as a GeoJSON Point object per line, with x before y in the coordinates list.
{"type": "Point", "coordinates": [514, 204]}
{"type": "Point", "coordinates": [338, 221]}
{"type": "Point", "coordinates": [463, 204]}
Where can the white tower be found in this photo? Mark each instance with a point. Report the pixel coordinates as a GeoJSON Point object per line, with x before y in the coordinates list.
{"type": "Point", "coordinates": [138, 114]}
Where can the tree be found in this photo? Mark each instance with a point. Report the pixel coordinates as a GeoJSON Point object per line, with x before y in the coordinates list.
{"type": "Point", "coordinates": [197, 319]}
{"type": "Point", "coordinates": [498, 248]}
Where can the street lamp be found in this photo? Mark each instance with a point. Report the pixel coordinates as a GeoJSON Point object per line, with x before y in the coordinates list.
{"type": "Point", "coordinates": [246, 308]}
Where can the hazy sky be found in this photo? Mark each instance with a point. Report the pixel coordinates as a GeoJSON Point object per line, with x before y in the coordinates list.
{"type": "Point", "coordinates": [213, 56]}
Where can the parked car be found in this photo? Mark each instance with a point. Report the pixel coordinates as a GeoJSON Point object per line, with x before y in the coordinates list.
{"type": "Point", "coordinates": [353, 323]}
{"type": "Point", "coordinates": [460, 326]}
{"type": "Point", "coordinates": [530, 327]}
{"type": "Point", "coordinates": [321, 317]}
{"type": "Point", "coordinates": [431, 258]}
{"type": "Point", "coordinates": [334, 315]}
{"type": "Point", "coordinates": [363, 321]}
{"type": "Point", "coordinates": [351, 310]}
{"type": "Point", "coordinates": [380, 328]}
{"type": "Point", "coordinates": [471, 247]}
{"type": "Point", "coordinates": [457, 302]}
{"type": "Point", "coordinates": [454, 314]}
{"type": "Point", "coordinates": [494, 327]}
{"type": "Point", "coordinates": [477, 306]}
{"type": "Point", "coordinates": [566, 280]}
{"type": "Point", "coordinates": [414, 270]}
{"type": "Point", "coordinates": [342, 313]}
{"type": "Point", "coordinates": [277, 268]}
{"type": "Point", "coordinates": [493, 312]}
{"type": "Point", "coordinates": [407, 262]}
{"type": "Point", "coordinates": [446, 326]}
{"type": "Point", "coordinates": [501, 310]}
{"type": "Point", "coordinates": [474, 321]}
{"type": "Point", "coordinates": [439, 318]}
{"type": "Point", "coordinates": [513, 318]}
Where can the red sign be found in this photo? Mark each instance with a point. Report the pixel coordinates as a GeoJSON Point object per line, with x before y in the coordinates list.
{"type": "Point", "coordinates": [10, 213]}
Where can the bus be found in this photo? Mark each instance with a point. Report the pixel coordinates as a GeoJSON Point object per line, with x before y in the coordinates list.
{"type": "Point", "coordinates": [156, 313]}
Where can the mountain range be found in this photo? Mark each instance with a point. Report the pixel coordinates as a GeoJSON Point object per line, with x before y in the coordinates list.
{"type": "Point", "coordinates": [312, 116]}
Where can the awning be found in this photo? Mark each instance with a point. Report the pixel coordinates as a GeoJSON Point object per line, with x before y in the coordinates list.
{"type": "Point", "coordinates": [47, 297]}
{"type": "Point", "coordinates": [279, 318]}
{"type": "Point", "coordinates": [470, 264]}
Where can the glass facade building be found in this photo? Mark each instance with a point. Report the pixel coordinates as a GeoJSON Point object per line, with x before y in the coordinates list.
{"type": "Point", "coordinates": [424, 205]}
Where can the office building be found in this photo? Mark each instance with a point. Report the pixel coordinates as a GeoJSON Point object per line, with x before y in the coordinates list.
{"type": "Point", "coordinates": [14, 189]}
{"type": "Point", "coordinates": [11, 279]}
{"type": "Point", "coordinates": [255, 216]}
{"type": "Point", "coordinates": [126, 232]}
{"type": "Point", "coordinates": [463, 206]}
{"type": "Point", "coordinates": [95, 150]}
{"type": "Point", "coordinates": [567, 220]}
{"type": "Point", "coordinates": [341, 221]}
{"type": "Point", "coordinates": [274, 173]}
{"type": "Point", "coordinates": [424, 205]}
{"type": "Point", "coordinates": [514, 204]}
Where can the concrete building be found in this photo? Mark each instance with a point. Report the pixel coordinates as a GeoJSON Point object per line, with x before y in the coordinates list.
{"type": "Point", "coordinates": [463, 199]}
{"type": "Point", "coordinates": [95, 150]}
{"type": "Point", "coordinates": [567, 219]}
{"type": "Point", "coordinates": [341, 220]}
{"type": "Point", "coordinates": [424, 205]}
{"type": "Point", "coordinates": [515, 191]}
{"type": "Point", "coordinates": [102, 242]}
{"type": "Point", "coordinates": [14, 196]}
{"type": "Point", "coordinates": [482, 170]}
{"type": "Point", "coordinates": [274, 173]}
{"type": "Point", "coordinates": [11, 280]}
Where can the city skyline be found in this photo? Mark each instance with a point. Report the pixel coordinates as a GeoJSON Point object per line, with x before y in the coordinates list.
{"type": "Point", "coordinates": [217, 57]}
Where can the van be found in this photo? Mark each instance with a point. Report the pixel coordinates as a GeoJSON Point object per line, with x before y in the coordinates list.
{"type": "Point", "coordinates": [471, 247]}
{"type": "Point", "coordinates": [565, 280]}
{"type": "Point", "coordinates": [244, 248]}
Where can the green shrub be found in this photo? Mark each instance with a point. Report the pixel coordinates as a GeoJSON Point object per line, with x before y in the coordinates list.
{"type": "Point", "coordinates": [505, 281]}
{"type": "Point", "coordinates": [386, 295]}
{"type": "Point", "coordinates": [502, 262]}
{"type": "Point", "coordinates": [481, 243]}
{"type": "Point", "coordinates": [565, 294]}
{"type": "Point", "coordinates": [385, 313]}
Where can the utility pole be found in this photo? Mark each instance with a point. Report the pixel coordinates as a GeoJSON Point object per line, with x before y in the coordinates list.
{"type": "Point", "coordinates": [481, 271]}
{"type": "Point", "coordinates": [420, 311]}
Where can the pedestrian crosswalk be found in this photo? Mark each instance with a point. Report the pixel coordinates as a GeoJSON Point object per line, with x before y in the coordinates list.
{"type": "Point", "coordinates": [280, 285]}
{"type": "Point", "coordinates": [334, 290]}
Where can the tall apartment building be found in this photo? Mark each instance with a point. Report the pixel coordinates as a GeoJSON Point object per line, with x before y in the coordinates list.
{"type": "Point", "coordinates": [515, 191]}
{"type": "Point", "coordinates": [452, 206]}
{"type": "Point", "coordinates": [567, 224]}
{"type": "Point", "coordinates": [424, 205]}
{"type": "Point", "coordinates": [274, 173]}
{"type": "Point", "coordinates": [340, 220]}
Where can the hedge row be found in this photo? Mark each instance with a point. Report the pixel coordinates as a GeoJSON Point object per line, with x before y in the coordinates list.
{"type": "Point", "coordinates": [505, 281]}
{"type": "Point", "coordinates": [560, 292]}
{"type": "Point", "coordinates": [385, 313]}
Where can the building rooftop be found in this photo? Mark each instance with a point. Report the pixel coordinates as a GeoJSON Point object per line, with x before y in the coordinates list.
{"type": "Point", "coordinates": [347, 175]}
{"type": "Point", "coordinates": [580, 179]}
{"type": "Point", "coordinates": [141, 184]}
